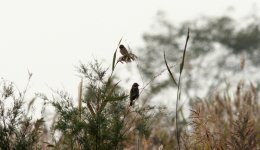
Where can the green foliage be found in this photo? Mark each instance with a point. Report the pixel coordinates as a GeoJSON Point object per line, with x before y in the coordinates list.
{"type": "Point", "coordinates": [17, 131]}
{"type": "Point", "coordinates": [103, 118]}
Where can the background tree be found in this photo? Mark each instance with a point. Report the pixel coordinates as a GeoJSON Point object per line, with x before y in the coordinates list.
{"type": "Point", "coordinates": [216, 42]}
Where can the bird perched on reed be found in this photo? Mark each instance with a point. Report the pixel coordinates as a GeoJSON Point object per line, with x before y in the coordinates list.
{"type": "Point", "coordinates": [134, 93]}
{"type": "Point", "coordinates": [127, 56]}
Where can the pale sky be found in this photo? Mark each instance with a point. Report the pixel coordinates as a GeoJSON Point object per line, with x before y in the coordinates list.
{"type": "Point", "coordinates": [50, 37]}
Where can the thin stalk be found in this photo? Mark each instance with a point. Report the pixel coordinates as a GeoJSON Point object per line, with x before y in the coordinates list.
{"type": "Point", "coordinates": [179, 92]}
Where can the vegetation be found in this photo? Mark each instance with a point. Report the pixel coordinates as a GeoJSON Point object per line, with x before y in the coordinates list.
{"type": "Point", "coordinates": [101, 118]}
{"type": "Point", "coordinates": [17, 129]}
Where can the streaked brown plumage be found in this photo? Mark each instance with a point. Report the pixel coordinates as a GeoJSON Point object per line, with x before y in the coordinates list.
{"type": "Point", "coordinates": [123, 50]}
{"type": "Point", "coordinates": [134, 93]}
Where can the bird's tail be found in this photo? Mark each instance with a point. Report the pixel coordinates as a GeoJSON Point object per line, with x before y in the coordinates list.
{"type": "Point", "coordinates": [131, 103]}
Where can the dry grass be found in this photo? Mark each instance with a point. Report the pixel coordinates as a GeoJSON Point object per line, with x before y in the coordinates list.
{"type": "Point", "coordinates": [224, 122]}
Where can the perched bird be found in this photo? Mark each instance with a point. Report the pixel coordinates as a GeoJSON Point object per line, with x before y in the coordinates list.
{"type": "Point", "coordinates": [123, 50]}
{"type": "Point", "coordinates": [127, 56]}
{"type": "Point", "coordinates": [134, 93]}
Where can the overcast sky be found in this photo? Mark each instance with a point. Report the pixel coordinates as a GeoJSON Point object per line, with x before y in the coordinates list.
{"type": "Point", "coordinates": [50, 37]}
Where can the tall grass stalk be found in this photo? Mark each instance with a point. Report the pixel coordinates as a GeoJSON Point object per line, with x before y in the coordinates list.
{"type": "Point", "coordinates": [179, 86]}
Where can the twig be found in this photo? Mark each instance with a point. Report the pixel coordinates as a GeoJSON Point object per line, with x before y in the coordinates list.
{"type": "Point", "coordinates": [138, 68]}
{"type": "Point", "coordinates": [154, 77]}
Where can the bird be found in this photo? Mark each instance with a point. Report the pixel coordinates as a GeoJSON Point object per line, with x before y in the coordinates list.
{"type": "Point", "coordinates": [123, 50]}
{"type": "Point", "coordinates": [134, 93]}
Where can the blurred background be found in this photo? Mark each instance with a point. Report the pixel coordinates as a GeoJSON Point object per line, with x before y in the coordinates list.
{"type": "Point", "coordinates": [50, 38]}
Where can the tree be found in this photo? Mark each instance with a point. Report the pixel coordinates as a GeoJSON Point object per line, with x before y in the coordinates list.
{"type": "Point", "coordinates": [103, 118]}
{"type": "Point", "coordinates": [216, 42]}
{"type": "Point", "coordinates": [17, 129]}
